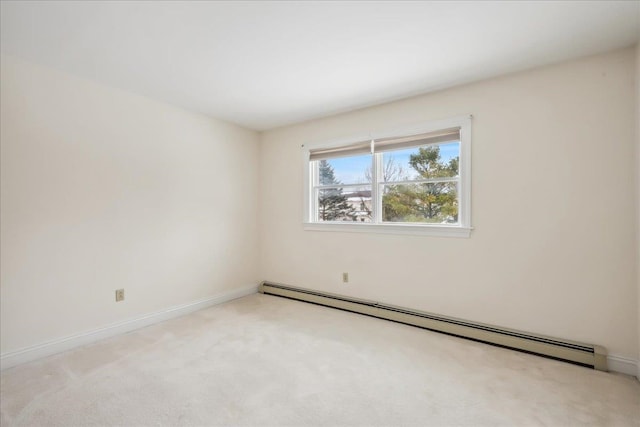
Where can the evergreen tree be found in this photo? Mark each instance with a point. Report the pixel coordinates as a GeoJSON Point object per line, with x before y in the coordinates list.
{"type": "Point", "coordinates": [433, 202]}
{"type": "Point", "coordinates": [332, 204]}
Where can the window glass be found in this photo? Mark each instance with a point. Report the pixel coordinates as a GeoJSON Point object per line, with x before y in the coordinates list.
{"type": "Point", "coordinates": [352, 204]}
{"type": "Point", "coordinates": [345, 170]}
{"type": "Point", "coordinates": [416, 181]}
{"type": "Point", "coordinates": [434, 203]}
{"type": "Point", "coordinates": [426, 162]}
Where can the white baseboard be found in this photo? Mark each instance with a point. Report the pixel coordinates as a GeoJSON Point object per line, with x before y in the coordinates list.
{"type": "Point", "coordinates": [28, 354]}
{"type": "Point", "coordinates": [618, 364]}
{"type": "Point", "coordinates": [623, 365]}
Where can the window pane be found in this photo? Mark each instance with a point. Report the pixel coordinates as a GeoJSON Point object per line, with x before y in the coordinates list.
{"type": "Point", "coordinates": [351, 204]}
{"type": "Point", "coordinates": [345, 170]}
{"type": "Point", "coordinates": [430, 161]}
{"type": "Point", "coordinates": [435, 203]}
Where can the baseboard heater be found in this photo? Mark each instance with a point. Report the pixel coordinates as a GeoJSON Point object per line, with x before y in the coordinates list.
{"type": "Point", "coordinates": [592, 356]}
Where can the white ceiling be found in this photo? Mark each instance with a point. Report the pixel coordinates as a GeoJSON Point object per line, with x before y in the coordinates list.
{"type": "Point", "coordinates": [266, 64]}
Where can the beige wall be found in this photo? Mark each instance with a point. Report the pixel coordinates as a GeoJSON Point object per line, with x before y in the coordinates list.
{"type": "Point", "coordinates": [638, 191]}
{"type": "Point", "coordinates": [553, 250]}
{"type": "Point", "coordinates": [103, 189]}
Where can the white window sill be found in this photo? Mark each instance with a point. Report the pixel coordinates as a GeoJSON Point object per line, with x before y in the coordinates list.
{"type": "Point", "coordinates": [437, 230]}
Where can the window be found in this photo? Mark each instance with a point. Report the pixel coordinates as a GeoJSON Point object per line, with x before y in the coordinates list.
{"type": "Point", "coordinates": [410, 181]}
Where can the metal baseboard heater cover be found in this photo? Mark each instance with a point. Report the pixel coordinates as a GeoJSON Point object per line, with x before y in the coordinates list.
{"type": "Point", "coordinates": [593, 356]}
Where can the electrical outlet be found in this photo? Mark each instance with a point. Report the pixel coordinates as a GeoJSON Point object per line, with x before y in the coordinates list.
{"type": "Point", "coordinates": [119, 295]}
{"type": "Point", "coordinates": [345, 277]}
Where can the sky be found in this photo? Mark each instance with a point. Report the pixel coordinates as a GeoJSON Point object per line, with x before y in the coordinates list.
{"type": "Point", "coordinates": [351, 170]}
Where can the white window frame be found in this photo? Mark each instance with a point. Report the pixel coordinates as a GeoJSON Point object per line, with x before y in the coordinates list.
{"type": "Point", "coordinates": [461, 229]}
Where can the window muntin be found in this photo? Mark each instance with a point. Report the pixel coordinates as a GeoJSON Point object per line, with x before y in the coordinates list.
{"type": "Point", "coordinates": [418, 179]}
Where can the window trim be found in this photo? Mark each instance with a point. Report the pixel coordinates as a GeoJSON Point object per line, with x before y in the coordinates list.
{"type": "Point", "coordinates": [462, 229]}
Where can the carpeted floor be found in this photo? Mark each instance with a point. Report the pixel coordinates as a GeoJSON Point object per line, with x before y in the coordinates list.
{"type": "Point", "coordinates": [264, 360]}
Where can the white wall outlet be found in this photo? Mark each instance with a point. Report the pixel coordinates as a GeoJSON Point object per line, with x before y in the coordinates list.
{"type": "Point", "coordinates": [345, 277]}
{"type": "Point", "coordinates": [119, 295]}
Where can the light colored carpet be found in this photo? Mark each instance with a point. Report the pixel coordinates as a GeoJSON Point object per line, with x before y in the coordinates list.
{"type": "Point", "coordinates": [264, 360]}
